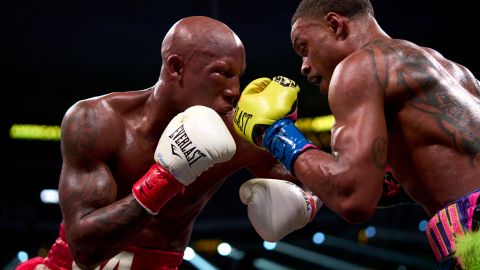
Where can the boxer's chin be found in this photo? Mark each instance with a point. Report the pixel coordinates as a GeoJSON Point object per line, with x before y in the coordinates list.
{"type": "Point", "coordinates": [227, 115]}
{"type": "Point", "coordinates": [323, 87]}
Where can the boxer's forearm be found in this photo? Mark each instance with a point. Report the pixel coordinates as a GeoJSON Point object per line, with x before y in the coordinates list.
{"type": "Point", "coordinates": [102, 233]}
{"type": "Point", "coordinates": [350, 191]}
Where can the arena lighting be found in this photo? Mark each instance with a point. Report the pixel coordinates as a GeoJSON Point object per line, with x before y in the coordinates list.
{"type": "Point", "coordinates": [226, 249]}
{"type": "Point", "coordinates": [362, 237]}
{"type": "Point", "coordinates": [49, 196]}
{"type": "Point", "coordinates": [196, 260]}
{"type": "Point", "coordinates": [315, 124]}
{"type": "Point", "coordinates": [414, 237]}
{"type": "Point", "coordinates": [20, 257]}
{"type": "Point", "coordinates": [365, 234]}
{"type": "Point", "coordinates": [422, 225]}
{"type": "Point", "coordinates": [318, 238]}
{"type": "Point", "coordinates": [314, 257]}
{"type": "Point", "coordinates": [370, 232]}
{"type": "Point", "coordinates": [264, 264]}
{"type": "Point", "coordinates": [188, 254]}
{"type": "Point", "coordinates": [34, 132]}
{"type": "Point", "coordinates": [52, 133]}
{"type": "Point", "coordinates": [380, 253]}
{"type": "Point", "coordinates": [269, 245]}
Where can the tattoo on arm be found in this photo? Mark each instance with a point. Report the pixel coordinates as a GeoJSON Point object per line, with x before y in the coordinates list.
{"type": "Point", "coordinates": [80, 134]}
{"type": "Point", "coordinates": [375, 64]}
{"type": "Point", "coordinates": [106, 223]}
{"type": "Point", "coordinates": [419, 76]}
{"type": "Point", "coordinates": [115, 223]}
{"type": "Point", "coordinates": [379, 146]}
{"type": "Point", "coordinates": [90, 194]}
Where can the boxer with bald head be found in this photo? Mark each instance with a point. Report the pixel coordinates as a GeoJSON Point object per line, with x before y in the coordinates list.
{"type": "Point", "coordinates": [119, 210]}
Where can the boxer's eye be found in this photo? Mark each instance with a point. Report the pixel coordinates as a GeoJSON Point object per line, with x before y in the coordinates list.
{"type": "Point", "coordinates": [300, 46]}
{"type": "Point", "coordinates": [226, 73]}
{"type": "Point", "coordinates": [302, 50]}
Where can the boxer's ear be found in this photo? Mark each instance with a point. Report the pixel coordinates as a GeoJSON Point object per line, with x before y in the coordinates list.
{"type": "Point", "coordinates": [337, 25]}
{"type": "Point", "coordinates": [175, 66]}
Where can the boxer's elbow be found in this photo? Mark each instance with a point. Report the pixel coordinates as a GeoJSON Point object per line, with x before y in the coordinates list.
{"type": "Point", "coordinates": [85, 260]}
{"type": "Point", "coordinates": [85, 266]}
{"type": "Point", "coordinates": [355, 213]}
{"type": "Point", "coordinates": [86, 256]}
{"type": "Point", "coordinates": [357, 208]}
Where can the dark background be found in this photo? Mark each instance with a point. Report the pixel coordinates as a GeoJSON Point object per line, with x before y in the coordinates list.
{"type": "Point", "coordinates": [54, 53]}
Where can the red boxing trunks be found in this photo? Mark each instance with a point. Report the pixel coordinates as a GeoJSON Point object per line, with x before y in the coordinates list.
{"type": "Point", "coordinates": [132, 258]}
{"type": "Point", "coordinates": [454, 220]}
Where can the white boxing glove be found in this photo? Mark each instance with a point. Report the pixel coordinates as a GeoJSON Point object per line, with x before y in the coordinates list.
{"type": "Point", "coordinates": [194, 141]}
{"type": "Point", "coordinates": [277, 207]}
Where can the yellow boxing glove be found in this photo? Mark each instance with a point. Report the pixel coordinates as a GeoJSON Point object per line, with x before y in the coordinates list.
{"type": "Point", "coordinates": [263, 102]}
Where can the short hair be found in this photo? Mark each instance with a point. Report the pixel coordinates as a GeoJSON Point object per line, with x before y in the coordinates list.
{"type": "Point", "coordinates": [319, 8]}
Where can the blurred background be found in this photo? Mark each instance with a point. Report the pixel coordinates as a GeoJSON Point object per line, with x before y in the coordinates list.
{"type": "Point", "coordinates": [54, 53]}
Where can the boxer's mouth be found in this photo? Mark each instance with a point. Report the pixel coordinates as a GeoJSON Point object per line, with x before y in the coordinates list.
{"type": "Point", "coordinates": [316, 80]}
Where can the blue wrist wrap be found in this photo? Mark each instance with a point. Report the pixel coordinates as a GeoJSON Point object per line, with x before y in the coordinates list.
{"type": "Point", "coordinates": [285, 142]}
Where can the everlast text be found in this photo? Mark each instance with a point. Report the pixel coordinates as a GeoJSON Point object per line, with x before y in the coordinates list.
{"type": "Point", "coordinates": [190, 151]}
{"type": "Point", "coordinates": [241, 119]}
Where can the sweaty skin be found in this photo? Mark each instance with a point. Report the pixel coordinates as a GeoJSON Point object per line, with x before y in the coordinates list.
{"type": "Point", "coordinates": [394, 102]}
{"type": "Point", "coordinates": [108, 144]}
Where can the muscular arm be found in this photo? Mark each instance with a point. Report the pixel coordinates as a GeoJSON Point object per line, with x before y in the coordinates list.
{"type": "Point", "coordinates": [349, 181]}
{"type": "Point", "coordinates": [97, 224]}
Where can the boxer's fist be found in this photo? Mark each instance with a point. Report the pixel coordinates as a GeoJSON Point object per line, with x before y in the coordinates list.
{"type": "Point", "coordinates": [193, 141]}
{"type": "Point", "coordinates": [277, 207]}
{"type": "Point", "coordinates": [263, 102]}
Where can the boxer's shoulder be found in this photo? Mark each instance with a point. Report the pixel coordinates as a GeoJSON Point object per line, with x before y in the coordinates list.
{"type": "Point", "coordinates": [92, 127]}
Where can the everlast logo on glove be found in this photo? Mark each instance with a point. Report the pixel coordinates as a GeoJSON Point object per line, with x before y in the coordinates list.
{"type": "Point", "coordinates": [286, 82]}
{"type": "Point", "coordinates": [241, 119]}
{"type": "Point", "coordinates": [191, 153]}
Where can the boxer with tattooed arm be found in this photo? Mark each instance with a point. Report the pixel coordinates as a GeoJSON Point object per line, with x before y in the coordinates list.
{"type": "Point", "coordinates": [395, 103]}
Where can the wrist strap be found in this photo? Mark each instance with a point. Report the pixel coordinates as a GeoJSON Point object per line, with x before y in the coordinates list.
{"type": "Point", "coordinates": [156, 188]}
{"type": "Point", "coordinates": [313, 206]}
{"type": "Point", "coordinates": [285, 142]}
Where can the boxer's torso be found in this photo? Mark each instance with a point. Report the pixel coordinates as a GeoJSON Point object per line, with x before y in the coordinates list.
{"type": "Point", "coordinates": [171, 228]}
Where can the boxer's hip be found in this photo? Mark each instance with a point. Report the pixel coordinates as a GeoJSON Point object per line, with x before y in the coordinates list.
{"type": "Point", "coordinates": [453, 221]}
{"type": "Point", "coordinates": [131, 258]}
{"type": "Point", "coordinates": [134, 258]}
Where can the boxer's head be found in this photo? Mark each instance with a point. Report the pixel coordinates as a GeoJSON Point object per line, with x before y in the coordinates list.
{"type": "Point", "coordinates": [202, 63]}
{"type": "Point", "coordinates": [324, 32]}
